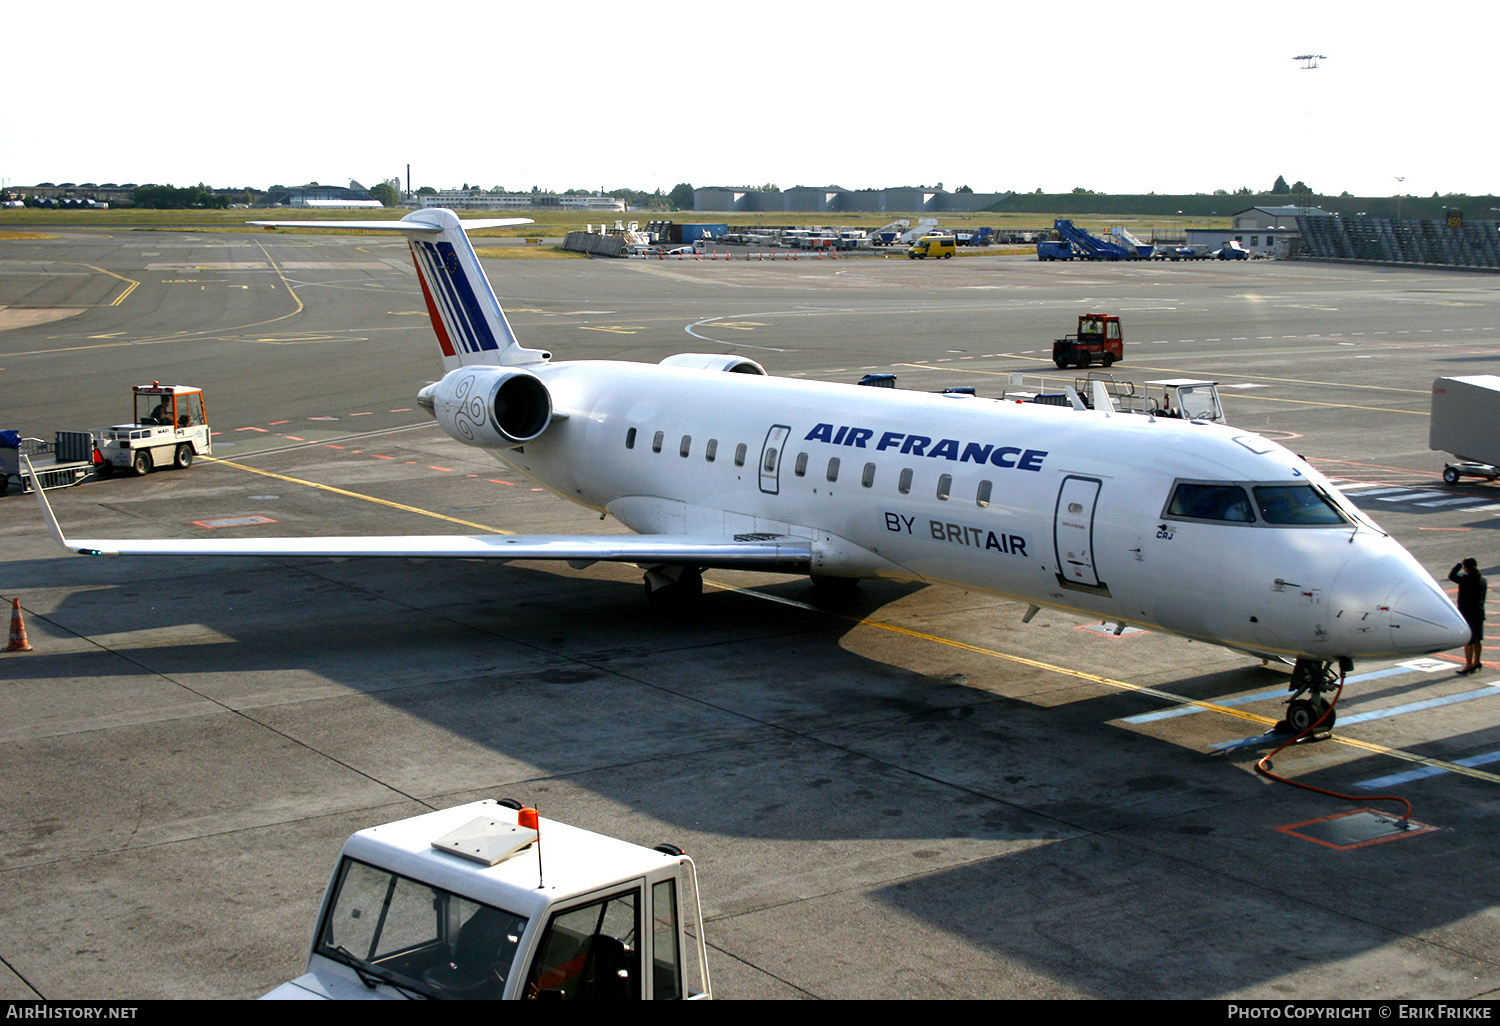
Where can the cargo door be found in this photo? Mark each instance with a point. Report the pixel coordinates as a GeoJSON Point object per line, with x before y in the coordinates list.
{"type": "Point", "coordinates": [1073, 534]}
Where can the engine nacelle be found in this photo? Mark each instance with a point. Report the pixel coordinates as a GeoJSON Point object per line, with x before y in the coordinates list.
{"type": "Point", "coordinates": [490, 407]}
{"type": "Point", "coordinates": [715, 361]}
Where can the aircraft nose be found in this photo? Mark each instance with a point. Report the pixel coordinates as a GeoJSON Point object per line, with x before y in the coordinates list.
{"type": "Point", "coordinates": [1424, 620]}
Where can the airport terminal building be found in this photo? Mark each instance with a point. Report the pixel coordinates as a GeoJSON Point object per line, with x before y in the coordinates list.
{"type": "Point", "coordinates": [833, 200]}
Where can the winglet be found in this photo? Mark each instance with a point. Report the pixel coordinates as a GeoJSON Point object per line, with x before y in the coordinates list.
{"type": "Point", "coordinates": [48, 517]}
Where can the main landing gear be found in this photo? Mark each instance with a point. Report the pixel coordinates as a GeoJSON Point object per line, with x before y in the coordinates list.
{"type": "Point", "coordinates": [672, 589]}
{"type": "Point", "coordinates": [1316, 680]}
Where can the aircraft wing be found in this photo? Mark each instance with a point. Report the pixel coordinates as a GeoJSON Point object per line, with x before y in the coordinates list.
{"type": "Point", "coordinates": [780, 553]}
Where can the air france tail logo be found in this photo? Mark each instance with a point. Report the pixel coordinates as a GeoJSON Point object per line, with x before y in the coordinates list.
{"type": "Point", "coordinates": [458, 312]}
{"type": "Point", "coordinates": [1006, 456]}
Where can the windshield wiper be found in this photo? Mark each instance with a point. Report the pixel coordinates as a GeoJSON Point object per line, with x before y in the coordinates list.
{"type": "Point", "coordinates": [373, 976]}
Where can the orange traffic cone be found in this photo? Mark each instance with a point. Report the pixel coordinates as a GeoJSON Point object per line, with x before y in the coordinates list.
{"type": "Point", "coordinates": [18, 642]}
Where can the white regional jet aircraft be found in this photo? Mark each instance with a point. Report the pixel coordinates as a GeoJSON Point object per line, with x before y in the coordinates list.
{"type": "Point", "coordinates": [1200, 530]}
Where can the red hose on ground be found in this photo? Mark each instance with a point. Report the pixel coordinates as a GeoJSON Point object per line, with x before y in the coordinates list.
{"type": "Point", "coordinates": [1263, 767]}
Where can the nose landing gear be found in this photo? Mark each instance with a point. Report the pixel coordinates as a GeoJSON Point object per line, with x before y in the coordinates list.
{"type": "Point", "coordinates": [1315, 679]}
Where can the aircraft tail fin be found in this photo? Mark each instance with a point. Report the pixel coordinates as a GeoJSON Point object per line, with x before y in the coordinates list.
{"type": "Point", "coordinates": [470, 325]}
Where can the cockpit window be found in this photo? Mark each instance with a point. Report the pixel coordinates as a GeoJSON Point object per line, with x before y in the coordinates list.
{"type": "Point", "coordinates": [1211, 502]}
{"type": "Point", "coordinates": [1296, 504]}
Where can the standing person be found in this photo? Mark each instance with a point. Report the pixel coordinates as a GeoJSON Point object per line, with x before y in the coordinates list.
{"type": "Point", "coordinates": [1471, 591]}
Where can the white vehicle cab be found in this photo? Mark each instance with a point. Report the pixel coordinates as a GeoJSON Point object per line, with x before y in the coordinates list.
{"type": "Point", "coordinates": [169, 428]}
{"type": "Point", "coordinates": [487, 900]}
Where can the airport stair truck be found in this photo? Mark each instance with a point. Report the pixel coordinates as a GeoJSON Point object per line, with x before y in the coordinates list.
{"type": "Point", "coordinates": [488, 900]}
{"type": "Point", "coordinates": [1099, 337]}
{"type": "Point", "coordinates": [1123, 237]}
{"type": "Point", "coordinates": [1091, 246]}
{"type": "Point", "coordinates": [1466, 422]}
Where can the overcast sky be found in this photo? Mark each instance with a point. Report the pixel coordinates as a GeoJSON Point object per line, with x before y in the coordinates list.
{"type": "Point", "coordinates": [1147, 96]}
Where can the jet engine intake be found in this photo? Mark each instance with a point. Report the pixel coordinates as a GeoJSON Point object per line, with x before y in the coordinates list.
{"type": "Point", "coordinates": [489, 407]}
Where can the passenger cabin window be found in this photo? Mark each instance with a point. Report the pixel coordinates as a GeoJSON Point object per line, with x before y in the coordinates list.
{"type": "Point", "coordinates": [769, 466]}
{"type": "Point", "coordinates": [711, 450]}
{"type": "Point", "coordinates": [1211, 502]}
{"type": "Point", "coordinates": [801, 468]}
{"type": "Point", "coordinates": [656, 442]}
{"type": "Point", "coordinates": [982, 497]}
{"type": "Point", "coordinates": [687, 446]}
{"type": "Point", "coordinates": [868, 478]}
{"type": "Point", "coordinates": [739, 455]}
{"type": "Point", "coordinates": [904, 484]}
{"type": "Point", "coordinates": [833, 469]}
{"type": "Point", "coordinates": [630, 439]}
{"type": "Point", "coordinates": [945, 486]}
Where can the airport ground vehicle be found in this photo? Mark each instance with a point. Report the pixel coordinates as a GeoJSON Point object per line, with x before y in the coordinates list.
{"type": "Point", "coordinates": [941, 246]}
{"type": "Point", "coordinates": [1174, 398]}
{"type": "Point", "coordinates": [1233, 251]}
{"type": "Point", "coordinates": [1089, 247]}
{"type": "Point", "coordinates": [1466, 422]}
{"type": "Point", "coordinates": [170, 428]}
{"type": "Point", "coordinates": [1099, 336]}
{"type": "Point", "coordinates": [488, 900]}
{"type": "Point", "coordinates": [1054, 249]}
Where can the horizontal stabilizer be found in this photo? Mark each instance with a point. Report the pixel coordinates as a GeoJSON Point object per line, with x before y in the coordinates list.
{"type": "Point", "coordinates": [473, 225]}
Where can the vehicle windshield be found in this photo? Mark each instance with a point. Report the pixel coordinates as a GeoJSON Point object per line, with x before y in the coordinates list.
{"type": "Point", "coordinates": [1281, 505]}
{"type": "Point", "coordinates": [418, 937]}
{"type": "Point", "coordinates": [1199, 402]}
{"type": "Point", "coordinates": [154, 409]}
{"type": "Point", "coordinates": [1296, 504]}
{"type": "Point", "coordinates": [1211, 502]}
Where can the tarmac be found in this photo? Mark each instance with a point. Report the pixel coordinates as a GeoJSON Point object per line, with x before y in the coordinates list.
{"type": "Point", "coordinates": [910, 794]}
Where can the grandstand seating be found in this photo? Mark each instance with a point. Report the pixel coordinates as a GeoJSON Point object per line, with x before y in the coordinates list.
{"type": "Point", "coordinates": [1400, 241]}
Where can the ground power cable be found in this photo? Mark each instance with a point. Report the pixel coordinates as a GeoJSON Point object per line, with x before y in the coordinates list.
{"type": "Point", "coordinates": [1263, 767]}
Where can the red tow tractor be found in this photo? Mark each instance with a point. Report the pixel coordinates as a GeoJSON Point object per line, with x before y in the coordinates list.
{"type": "Point", "coordinates": [1099, 339]}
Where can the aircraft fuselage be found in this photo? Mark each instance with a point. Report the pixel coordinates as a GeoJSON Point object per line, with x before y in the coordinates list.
{"type": "Point", "coordinates": [1053, 506]}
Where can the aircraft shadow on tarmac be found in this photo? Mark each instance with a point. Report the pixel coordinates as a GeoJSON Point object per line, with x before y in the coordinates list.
{"type": "Point", "coordinates": [1040, 830]}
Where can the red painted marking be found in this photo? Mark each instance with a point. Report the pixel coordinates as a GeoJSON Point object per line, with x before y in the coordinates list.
{"type": "Point", "coordinates": [293, 438]}
{"type": "Point", "coordinates": [446, 470]}
{"type": "Point", "coordinates": [438, 327]}
{"type": "Point", "coordinates": [261, 430]}
{"type": "Point", "coordinates": [275, 422]}
{"type": "Point", "coordinates": [376, 456]}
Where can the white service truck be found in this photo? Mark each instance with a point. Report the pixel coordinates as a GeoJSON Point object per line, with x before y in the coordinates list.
{"type": "Point", "coordinates": [1466, 422]}
{"type": "Point", "coordinates": [488, 900]}
{"type": "Point", "coordinates": [170, 428]}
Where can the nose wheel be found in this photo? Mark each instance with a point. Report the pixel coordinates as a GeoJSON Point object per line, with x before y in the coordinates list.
{"type": "Point", "coordinates": [1311, 684]}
